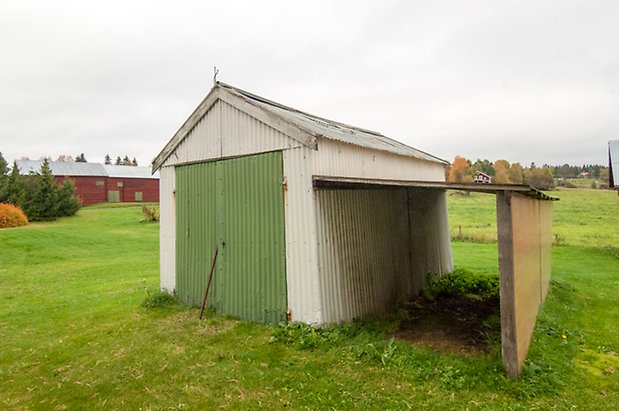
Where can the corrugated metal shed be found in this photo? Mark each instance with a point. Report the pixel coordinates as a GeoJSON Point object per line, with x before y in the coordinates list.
{"type": "Point", "coordinates": [232, 123]}
{"type": "Point", "coordinates": [613, 163]}
{"type": "Point", "coordinates": [350, 223]}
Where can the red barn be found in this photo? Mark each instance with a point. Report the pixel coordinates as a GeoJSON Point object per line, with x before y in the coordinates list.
{"type": "Point", "coordinates": [98, 183]}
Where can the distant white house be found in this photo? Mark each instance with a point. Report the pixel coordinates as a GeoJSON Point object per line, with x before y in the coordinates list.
{"type": "Point", "coordinates": [481, 177]}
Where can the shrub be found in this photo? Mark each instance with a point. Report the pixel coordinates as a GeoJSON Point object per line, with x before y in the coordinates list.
{"type": "Point", "coordinates": [11, 216]}
{"type": "Point", "coordinates": [68, 203]}
{"type": "Point", "coordinates": [158, 299]}
{"type": "Point", "coordinates": [479, 286]}
{"type": "Point", "coordinates": [38, 195]}
{"type": "Point", "coordinates": [151, 214]}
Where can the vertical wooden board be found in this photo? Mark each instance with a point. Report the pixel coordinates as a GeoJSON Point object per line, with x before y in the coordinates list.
{"type": "Point", "coordinates": [527, 263]}
{"type": "Point", "coordinates": [524, 235]}
{"type": "Point", "coordinates": [509, 335]}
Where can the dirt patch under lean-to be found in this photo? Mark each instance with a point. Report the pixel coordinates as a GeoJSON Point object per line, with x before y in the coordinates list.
{"type": "Point", "coordinates": [452, 324]}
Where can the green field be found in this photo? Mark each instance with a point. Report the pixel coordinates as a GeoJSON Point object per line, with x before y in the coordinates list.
{"type": "Point", "coordinates": [75, 336]}
{"type": "Point", "coordinates": [586, 218]}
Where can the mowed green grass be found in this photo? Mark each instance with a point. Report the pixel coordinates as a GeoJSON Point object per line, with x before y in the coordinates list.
{"type": "Point", "coordinates": [74, 336]}
{"type": "Point", "coordinates": [588, 218]}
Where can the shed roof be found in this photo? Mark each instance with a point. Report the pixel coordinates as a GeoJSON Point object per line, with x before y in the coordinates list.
{"type": "Point", "coordinates": [75, 169]}
{"type": "Point", "coordinates": [128, 172]}
{"type": "Point", "coordinates": [613, 163]}
{"type": "Point", "coordinates": [299, 125]}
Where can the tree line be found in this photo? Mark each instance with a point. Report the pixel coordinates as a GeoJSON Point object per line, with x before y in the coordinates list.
{"type": "Point", "coordinates": [125, 161]}
{"type": "Point", "coordinates": [37, 194]}
{"type": "Point", "coordinates": [81, 158]}
{"type": "Point", "coordinates": [462, 170]}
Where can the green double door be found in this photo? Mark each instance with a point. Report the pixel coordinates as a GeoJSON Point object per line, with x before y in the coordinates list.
{"type": "Point", "coordinates": [237, 206]}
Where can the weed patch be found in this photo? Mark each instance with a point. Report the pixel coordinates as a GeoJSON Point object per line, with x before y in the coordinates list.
{"type": "Point", "coordinates": [151, 214]}
{"type": "Point", "coordinates": [364, 339]}
{"type": "Point", "coordinates": [158, 299]}
{"type": "Point", "coordinates": [463, 283]}
{"type": "Point", "coordinates": [456, 313]}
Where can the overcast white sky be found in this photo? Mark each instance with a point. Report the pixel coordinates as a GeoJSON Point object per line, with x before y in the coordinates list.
{"type": "Point", "coordinates": [527, 81]}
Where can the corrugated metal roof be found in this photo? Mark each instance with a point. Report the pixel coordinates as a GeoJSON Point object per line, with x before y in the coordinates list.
{"type": "Point", "coordinates": [62, 168]}
{"type": "Point", "coordinates": [291, 121]}
{"type": "Point", "coordinates": [70, 168]}
{"type": "Point", "coordinates": [129, 172]}
{"type": "Point", "coordinates": [322, 127]}
{"type": "Point", "coordinates": [613, 162]}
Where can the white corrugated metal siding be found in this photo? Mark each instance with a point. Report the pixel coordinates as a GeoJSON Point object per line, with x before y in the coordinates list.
{"type": "Point", "coordinates": [429, 231]}
{"type": "Point", "coordinates": [363, 251]}
{"type": "Point", "coordinates": [225, 131]}
{"type": "Point", "coordinates": [167, 228]}
{"type": "Point", "coordinates": [301, 254]}
{"type": "Point", "coordinates": [338, 159]}
{"type": "Point", "coordinates": [376, 247]}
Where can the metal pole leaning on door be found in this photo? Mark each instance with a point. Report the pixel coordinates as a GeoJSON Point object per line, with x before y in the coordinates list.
{"type": "Point", "coordinates": [208, 285]}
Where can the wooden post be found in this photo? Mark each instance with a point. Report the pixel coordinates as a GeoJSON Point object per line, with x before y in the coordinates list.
{"type": "Point", "coordinates": [509, 337]}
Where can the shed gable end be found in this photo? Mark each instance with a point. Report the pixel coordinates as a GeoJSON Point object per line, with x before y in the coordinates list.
{"type": "Point", "coordinates": [225, 131]}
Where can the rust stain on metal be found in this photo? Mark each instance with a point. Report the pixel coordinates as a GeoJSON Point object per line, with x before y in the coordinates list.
{"type": "Point", "coordinates": [285, 187]}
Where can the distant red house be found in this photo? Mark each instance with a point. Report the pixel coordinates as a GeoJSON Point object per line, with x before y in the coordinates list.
{"type": "Point", "coordinates": [99, 183]}
{"type": "Point", "coordinates": [481, 177]}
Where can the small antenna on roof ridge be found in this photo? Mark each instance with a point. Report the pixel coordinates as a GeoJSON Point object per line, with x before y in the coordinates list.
{"type": "Point", "coordinates": [215, 73]}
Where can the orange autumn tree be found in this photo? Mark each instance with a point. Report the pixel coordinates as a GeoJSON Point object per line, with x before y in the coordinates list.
{"type": "Point", "coordinates": [460, 171]}
{"type": "Point", "coordinates": [501, 172]}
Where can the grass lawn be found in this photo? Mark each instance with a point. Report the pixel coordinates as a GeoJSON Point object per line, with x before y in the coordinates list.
{"type": "Point", "coordinates": [74, 333]}
{"type": "Point", "coordinates": [588, 218]}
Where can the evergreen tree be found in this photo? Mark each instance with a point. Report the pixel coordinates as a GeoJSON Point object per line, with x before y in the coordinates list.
{"type": "Point", "coordinates": [485, 166]}
{"type": "Point", "coordinates": [108, 159]}
{"type": "Point", "coordinates": [135, 162]}
{"type": "Point", "coordinates": [44, 205]}
{"type": "Point", "coordinates": [4, 166]}
{"type": "Point", "coordinates": [4, 169]}
{"type": "Point", "coordinates": [118, 161]}
{"type": "Point", "coordinates": [68, 203]}
{"type": "Point", "coordinates": [126, 161]}
{"type": "Point", "coordinates": [81, 158]}
{"type": "Point", "coordinates": [15, 188]}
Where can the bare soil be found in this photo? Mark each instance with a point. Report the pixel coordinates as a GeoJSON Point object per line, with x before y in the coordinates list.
{"type": "Point", "coordinates": [452, 324]}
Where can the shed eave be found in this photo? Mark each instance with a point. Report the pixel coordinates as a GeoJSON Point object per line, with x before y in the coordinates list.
{"type": "Point", "coordinates": [342, 182]}
{"type": "Point", "coordinates": [184, 130]}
